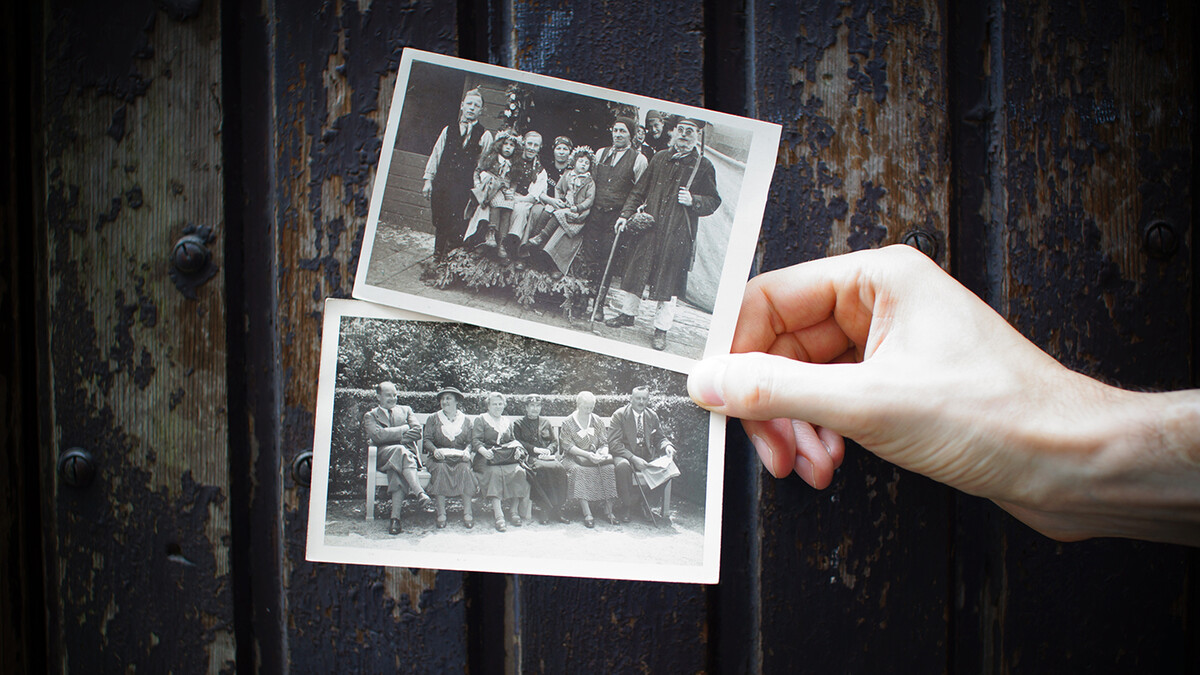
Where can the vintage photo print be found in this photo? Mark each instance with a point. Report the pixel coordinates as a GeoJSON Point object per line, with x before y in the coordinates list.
{"type": "Point", "coordinates": [585, 216]}
{"type": "Point", "coordinates": [452, 446]}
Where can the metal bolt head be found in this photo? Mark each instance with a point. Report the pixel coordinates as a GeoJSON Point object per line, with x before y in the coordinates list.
{"type": "Point", "coordinates": [1160, 240]}
{"type": "Point", "coordinates": [923, 242]}
{"type": "Point", "coordinates": [191, 254]}
{"type": "Point", "coordinates": [302, 469]}
{"type": "Point", "coordinates": [76, 468]}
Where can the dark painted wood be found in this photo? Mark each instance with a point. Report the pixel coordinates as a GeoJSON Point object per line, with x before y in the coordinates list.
{"type": "Point", "coordinates": [612, 626]}
{"type": "Point", "coordinates": [860, 91]}
{"type": "Point", "coordinates": [138, 567]}
{"type": "Point", "coordinates": [335, 69]}
{"type": "Point", "coordinates": [22, 602]}
{"type": "Point", "coordinates": [1095, 129]}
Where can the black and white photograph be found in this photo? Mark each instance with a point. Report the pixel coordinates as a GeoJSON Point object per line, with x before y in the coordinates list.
{"type": "Point", "coordinates": [446, 445]}
{"type": "Point", "coordinates": [566, 212]}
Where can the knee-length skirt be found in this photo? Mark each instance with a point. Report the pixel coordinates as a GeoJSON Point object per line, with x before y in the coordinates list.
{"type": "Point", "coordinates": [592, 483]}
{"type": "Point", "coordinates": [451, 479]}
{"type": "Point", "coordinates": [503, 480]}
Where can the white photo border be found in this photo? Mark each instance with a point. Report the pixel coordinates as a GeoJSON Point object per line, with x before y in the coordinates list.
{"type": "Point", "coordinates": [743, 239]}
{"type": "Point", "coordinates": [707, 572]}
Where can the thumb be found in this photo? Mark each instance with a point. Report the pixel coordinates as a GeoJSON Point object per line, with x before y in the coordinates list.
{"type": "Point", "coordinates": [757, 386]}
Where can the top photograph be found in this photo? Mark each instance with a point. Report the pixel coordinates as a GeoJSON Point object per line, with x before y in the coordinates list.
{"type": "Point", "coordinates": [594, 218]}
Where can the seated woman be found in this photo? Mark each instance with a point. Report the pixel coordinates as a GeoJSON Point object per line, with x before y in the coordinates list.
{"type": "Point", "coordinates": [497, 457]}
{"type": "Point", "coordinates": [548, 482]}
{"type": "Point", "coordinates": [447, 443]}
{"type": "Point", "coordinates": [561, 225]}
{"type": "Point", "coordinates": [590, 473]}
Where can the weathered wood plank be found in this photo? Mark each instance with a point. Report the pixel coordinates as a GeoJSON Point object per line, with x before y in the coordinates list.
{"type": "Point", "coordinates": [860, 89]}
{"type": "Point", "coordinates": [139, 560]}
{"type": "Point", "coordinates": [335, 71]}
{"type": "Point", "coordinates": [1095, 129]}
{"type": "Point", "coordinates": [612, 626]}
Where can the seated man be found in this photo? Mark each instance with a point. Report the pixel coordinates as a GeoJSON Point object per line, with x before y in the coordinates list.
{"type": "Point", "coordinates": [392, 428]}
{"type": "Point", "coordinates": [636, 439]}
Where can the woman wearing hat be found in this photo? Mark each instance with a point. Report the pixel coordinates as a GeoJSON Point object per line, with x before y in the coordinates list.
{"type": "Point", "coordinates": [548, 481]}
{"type": "Point", "coordinates": [497, 462]}
{"type": "Point", "coordinates": [447, 442]}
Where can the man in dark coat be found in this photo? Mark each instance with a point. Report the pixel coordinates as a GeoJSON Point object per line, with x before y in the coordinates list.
{"type": "Point", "coordinates": [635, 439]}
{"type": "Point", "coordinates": [678, 188]}
{"type": "Point", "coordinates": [450, 173]}
{"type": "Point", "coordinates": [618, 169]}
{"type": "Point", "coordinates": [392, 429]}
{"type": "Point", "coordinates": [657, 137]}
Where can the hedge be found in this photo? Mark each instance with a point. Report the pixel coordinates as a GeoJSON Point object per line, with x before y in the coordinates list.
{"type": "Point", "coordinates": [684, 422]}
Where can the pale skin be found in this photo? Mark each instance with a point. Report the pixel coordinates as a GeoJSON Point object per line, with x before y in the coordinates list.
{"type": "Point", "coordinates": [885, 348]}
{"type": "Point", "coordinates": [685, 138]}
{"type": "Point", "coordinates": [585, 403]}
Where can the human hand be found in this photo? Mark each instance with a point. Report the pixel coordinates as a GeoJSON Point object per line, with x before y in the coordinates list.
{"type": "Point", "coordinates": [619, 226]}
{"type": "Point", "coordinates": [439, 455]}
{"type": "Point", "coordinates": [685, 196]}
{"type": "Point", "coordinates": [670, 451]}
{"type": "Point", "coordinates": [427, 189]}
{"type": "Point", "coordinates": [885, 348]}
{"type": "Point", "coordinates": [639, 464]}
{"type": "Point", "coordinates": [486, 452]}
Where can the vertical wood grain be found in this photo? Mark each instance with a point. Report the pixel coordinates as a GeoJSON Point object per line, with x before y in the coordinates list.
{"type": "Point", "coordinates": [596, 625]}
{"type": "Point", "coordinates": [335, 69]}
{"type": "Point", "coordinates": [860, 91]}
{"type": "Point", "coordinates": [139, 561]}
{"type": "Point", "coordinates": [1094, 128]}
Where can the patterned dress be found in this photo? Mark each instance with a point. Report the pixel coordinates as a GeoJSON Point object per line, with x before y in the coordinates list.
{"type": "Point", "coordinates": [592, 483]}
{"type": "Point", "coordinates": [497, 480]}
{"type": "Point", "coordinates": [449, 478]}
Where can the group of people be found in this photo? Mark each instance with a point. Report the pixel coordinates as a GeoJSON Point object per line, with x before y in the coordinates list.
{"type": "Point", "coordinates": [648, 189]}
{"type": "Point", "coordinates": [623, 466]}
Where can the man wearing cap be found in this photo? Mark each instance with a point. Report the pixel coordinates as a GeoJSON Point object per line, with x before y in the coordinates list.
{"type": "Point", "coordinates": [656, 134]}
{"type": "Point", "coordinates": [637, 441]}
{"type": "Point", "coordinates": [618, 168]}
{"type": "Point", "coordinates": [679, 187]}
{"type": "Point", "coordinates": [392, 428]}
{"type": "Point", "coordinates": [449, 173]}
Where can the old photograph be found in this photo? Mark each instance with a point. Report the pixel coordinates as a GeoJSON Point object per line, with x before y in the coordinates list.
{"type": "Point", "coordinates": [446, 445]}
{"type": "Point", "coordinates": [590, 217]}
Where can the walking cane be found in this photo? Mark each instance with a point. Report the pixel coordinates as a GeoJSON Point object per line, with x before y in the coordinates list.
{"type": "Point", "coordinates": [645, 501]}
{"type": "Point", "coordinates": [602, 291]}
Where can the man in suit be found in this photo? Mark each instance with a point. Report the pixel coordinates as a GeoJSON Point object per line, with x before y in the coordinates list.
{"type": "Point", "coordinates": [394, 430]}
{"type": "Point", "coordinates": [635, 439]}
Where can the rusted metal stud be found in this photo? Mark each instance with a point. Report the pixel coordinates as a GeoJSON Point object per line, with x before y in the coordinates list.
{"type": "Point", "coordinates": [302, 469]}
{"type": "Point", "coordinates": [191, 254]}
{"type": "Point", "coordinates": [923, 242]}
{"type": "Point", "coordinates": [1160, 240]}
{"type": "Point", "coordinates": [76, 468]}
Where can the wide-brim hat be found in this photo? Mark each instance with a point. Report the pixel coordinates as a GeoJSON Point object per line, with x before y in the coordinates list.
{"type": "Point", "coordinates": [450, 390]}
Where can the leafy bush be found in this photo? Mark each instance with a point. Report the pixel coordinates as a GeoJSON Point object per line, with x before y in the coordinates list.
{"type": "Point", "coordinates": [478, 271]}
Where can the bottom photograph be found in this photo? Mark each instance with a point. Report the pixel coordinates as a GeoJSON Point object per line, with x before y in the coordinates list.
{"type": "Point", "coordinates": [451, 446]}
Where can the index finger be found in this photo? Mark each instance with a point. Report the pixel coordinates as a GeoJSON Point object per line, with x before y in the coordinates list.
{"type": "Point", "coordinates": [798, 297]}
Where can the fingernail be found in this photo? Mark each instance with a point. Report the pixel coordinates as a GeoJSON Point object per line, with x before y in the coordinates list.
{"type": "Point", "coordinates": [804, 469]}
{"type": "Point", "coordinates": [764, 453]}
{"type": "Point", "coordinates": [704, 383]}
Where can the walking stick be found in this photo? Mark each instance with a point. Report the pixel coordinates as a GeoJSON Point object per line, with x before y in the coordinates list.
{"type": "Point", "coordinates": [602, 291]}
{"type": "Point", "coordinates": [645, 501]}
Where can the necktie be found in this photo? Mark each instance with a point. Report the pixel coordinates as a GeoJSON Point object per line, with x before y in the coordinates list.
{"type": "Point", "coordinates": [641, 434]}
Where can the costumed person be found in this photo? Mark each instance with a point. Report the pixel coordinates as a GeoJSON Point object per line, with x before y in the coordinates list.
{"type": "Point", "coordinates": [447, 443]}
{"type": "Point", "coordinates": [618, 169]}
{"type": "Point", "coordinates": [656, 137]}
{"type": "Point", "coordinates": [449, 174]}
{"type": "Point", "coordinates": [637, 441]}
{"type": "Point", "coordinates": [590, 473]}
{"type": "Point", "coordinates": [562, 235]}
{"type": "Point", "coordinates": [395, 432]}
{"type": "Point", "coordinates": [497, 462]}
{"type": "Point", "coordinates": [529, 182]}
{"type": "Point", "coordinates": [678, 189]}
{"type": "Point", "coordinates": [492, 197]}
{"type": "Point", "coordinates": [548, 480]}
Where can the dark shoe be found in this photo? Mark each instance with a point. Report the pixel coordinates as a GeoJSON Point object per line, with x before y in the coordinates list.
{"type": "Point", "coordinates": [424, 501]}
{"type": "Point", "coordinates": [516, 521]}
{"type": "Point", "coordinates": [659, 341]}
{"type": "Point", "coordinates": [612, 520]}
{"type": "Point", "coordinates": [544, 520]}
{"type": "Point", "coordinates": [395, 527]}
{"type": "Point", "coordinates": [620, 321]}
{"type": "Point", "coordinates": [563, 519]}
{"type": "Point", "coordinates": [468, 523]}
{"type": "Point", "coordinates": [625, 517]}
{"type": "Point", "coordinates": [441, 523]}
{"type": "Point", "coordinates": [501, 526]}
{"type": "Point", "coordinates": [589, 522]}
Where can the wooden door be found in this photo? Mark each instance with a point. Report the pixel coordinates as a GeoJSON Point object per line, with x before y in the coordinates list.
{"type": "Point", "coordinates": [1041, 152]}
